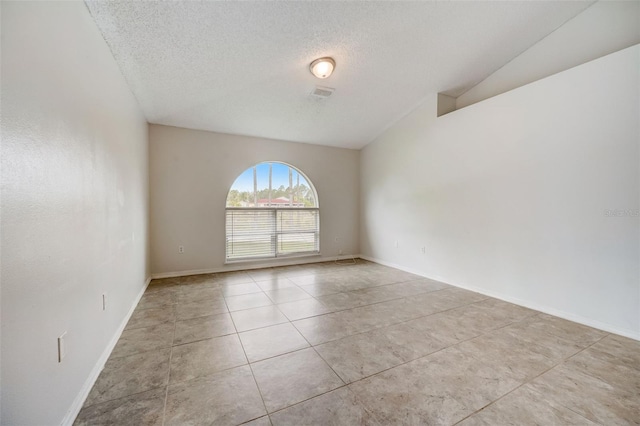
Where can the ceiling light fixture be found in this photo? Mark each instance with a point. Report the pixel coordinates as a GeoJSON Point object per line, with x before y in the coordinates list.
{"type": "Point", "coordinates": [322, 67]}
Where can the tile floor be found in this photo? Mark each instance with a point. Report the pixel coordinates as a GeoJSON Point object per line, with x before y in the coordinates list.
{"type": "Point", "coordinates": [349, 345]}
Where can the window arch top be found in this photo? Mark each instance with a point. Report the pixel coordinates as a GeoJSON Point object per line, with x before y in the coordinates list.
{"type": "Point", "coordinates": [272, 184]}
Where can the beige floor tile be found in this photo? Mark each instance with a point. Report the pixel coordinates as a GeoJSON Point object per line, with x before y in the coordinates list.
{"type": "Point", "coordinates": [289, 294]}
{"type": "Point", "coordinates": [324, 328]}
{"type": "Point", "coordinates": [250, 319]}
{"type": "Point", "coordinates": [138, 340]}
{"type": "Point", "coordinates": [320, 280]}
{"type": "Point", "coordinates": [362, 355]}
{"type": "Point", "coordinates": [236, 277]}
{"type": "Point", "coordinates": [141, 409]}
{"type": "Point", "coordinates": [265, 274]}
{"type": "Point", "coordinates": [303, 309]}
{"type": "Point", "coordinates": [276, 283]}
{"type": "Point", "coordinates": [523, 360]}
{"type": "Point", "coordinates": [130, 375]}
{"type": "Point", "coordinates": [196, 279]}
{"type": "Point", "coordinates": [162, 285]}
{"type": "Point", "coordinates": [239, 289]}
{"type": "Point", "coordinates": [197, 293]}
{"type": "Point", "coordinates": [323, 289]}
{"type": "Point", "coordinates": [607, 367]}
{"type": "Point", "coordinates": [228, 397]}
{"type": "Point", "coordinates": [357, 283]}
{"type": "Point", "coordinates": [206, 357]}
{"type": "Point", "coordinates": [390, 276]}
{"type": "Point", "coordinates": [441, 388]}
{"type": "Point", "coordinates": [411, 288]}
{"type": "Point", "coordinates": [247, 301]}
{"type": "Point", "coordinates": [625, 351]}
{"type": "Point", "coordinates": [370, 317]}
{"type": "Point", "coordinates": [157, 299]}
{"type": "Point", "coordinates": [310, 269]}
{"type": "Point", "coordinates": [448, 298]}
{"type": "Point", "coordinates": [414, 351]}
{"type": "Point", "coordinates": [580, 334]}
{"type": "Point", "coordinates": [409, 343]}
{"type": "Point", "coordinates": [153, 316]}
{"type": "Point", "coordinates": [588, 396]}
{"type": "Point", "coordinates": [201, 308]}
{"type": "Point", "coordinates": [201, 328]}
{"type": "Point", "coordinates": [342, 301]}
{"type": "Point", "coordinates": [294, 377]}
{"type": "Point", "coordinates": [271, 341]}
{"type": "Point", "coordinates": [446, 326]}
{"type": "Point", "coordinates": [524, 407]}
{"type": "Point", "coordinates": [338, 407]}
{"type": "Point", "coordinates": [356, 298]}
{"type": "Point", "coordinates": [434, 302]}
{"type": "Point", "coordinates": [481, 318]}
{"type": "Point", "coordinates": [261, 421]}
{"type": "Point", "coordinates": [555, 347]}
{"type": "Point", "coordinates": [506, 310]}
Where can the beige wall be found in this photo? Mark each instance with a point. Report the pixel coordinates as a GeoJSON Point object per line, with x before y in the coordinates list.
{"type": "Point", "coordinates": [509, 196]}
{"type": "Point", "coordinates": [191, 172]}
{"type": "Point", "coordinates": [74, 208]}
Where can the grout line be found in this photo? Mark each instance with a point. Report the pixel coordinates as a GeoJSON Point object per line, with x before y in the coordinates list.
{"type": "Point", "coordinates": [249, 364]}
{"type": "Point", "coordinates": [526, 382]}
{"type": "Point", "coordinates": [166, 395]}
{"type": "Point", "coordinates": [408, 298]}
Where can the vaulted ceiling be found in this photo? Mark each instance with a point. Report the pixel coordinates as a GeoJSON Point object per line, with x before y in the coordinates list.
{"type": "Point", "coordinates": [243, 67]}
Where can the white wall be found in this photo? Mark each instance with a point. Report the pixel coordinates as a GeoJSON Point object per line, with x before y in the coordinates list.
{"type": "Point", "coordinates": [509, 195]}
{"type": "Point", "coordinates": [603, 28]}
{"type": "Point", "coordinates": [74, 207]}
{"type": "Point", "coordinates": [191, 172]}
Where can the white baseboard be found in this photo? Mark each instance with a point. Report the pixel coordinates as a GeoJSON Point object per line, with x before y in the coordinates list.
{"type": "Point", "coordinates": [244, 266]}
{"type": "Point", "coordinates": [75, 408]}
{"type": "Point", "coordinates": [536, 307]}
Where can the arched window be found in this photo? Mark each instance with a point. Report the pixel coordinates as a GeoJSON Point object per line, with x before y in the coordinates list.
{"type": "Point", "coordinates": [272, 211]}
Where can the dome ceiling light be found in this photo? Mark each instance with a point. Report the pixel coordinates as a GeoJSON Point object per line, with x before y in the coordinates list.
{"type": "Point", "coordinates": [322, 67]}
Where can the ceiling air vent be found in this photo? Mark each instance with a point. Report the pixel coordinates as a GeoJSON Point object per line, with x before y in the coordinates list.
{"type": "Point", "coordinates": [322, 92]}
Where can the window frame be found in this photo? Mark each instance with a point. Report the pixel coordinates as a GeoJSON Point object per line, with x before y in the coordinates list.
{"type": "Point", "coordinates": [275, 234]}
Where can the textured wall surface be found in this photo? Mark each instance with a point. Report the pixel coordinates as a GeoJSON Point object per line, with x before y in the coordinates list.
{"type": "Point", "coordinates": [191, 172]}
{"type": "Point", "coordinates": [513, 196]}
{"type": "Point", "coordinates": [74, 206]}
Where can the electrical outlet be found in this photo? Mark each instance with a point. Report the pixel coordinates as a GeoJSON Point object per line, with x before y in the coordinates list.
{"type": "Point", "coordinates": [340, 251]}
{"type": "Point", "coordinates": [180, 249]}
{"type": "Point", "coordinates": [336, 239]}
{"type": "Point", "coordinates": [104, 301]}
{"type": "Point", "coordinates": [395, 244]}
{"type": "Point", "coordinates": [423, 249]}
{"type": "Point", "coordinates": [62, 346]}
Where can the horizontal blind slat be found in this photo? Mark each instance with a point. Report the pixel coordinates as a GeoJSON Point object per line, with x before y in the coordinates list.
{"type": "Point", "coordinates": [254, 233]}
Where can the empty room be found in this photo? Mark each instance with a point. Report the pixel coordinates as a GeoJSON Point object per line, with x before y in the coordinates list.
{"type": "Point", "coordinates": [320, 213]}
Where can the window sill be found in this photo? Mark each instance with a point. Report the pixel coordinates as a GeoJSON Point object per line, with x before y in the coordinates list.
{"type": "Point", "coordinates": [271, 259]}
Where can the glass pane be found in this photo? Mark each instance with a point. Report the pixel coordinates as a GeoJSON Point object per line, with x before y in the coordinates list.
{"type": "Point", "coordinates": [241, 193]}
{"type": "Point", "coordinates": [262, 173]}
{"type": "Point", "coordinates": [285, 193]}
{"type": "Point", "coordinates": [280, 184]}
{"type": "Point", "coordinates": [304, 192]}
{"type": "Point", "coordinates": [297, 230]}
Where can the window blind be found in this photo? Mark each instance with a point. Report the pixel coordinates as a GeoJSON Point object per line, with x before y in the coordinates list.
{"type": "Point", "coordinates": [258, 233]}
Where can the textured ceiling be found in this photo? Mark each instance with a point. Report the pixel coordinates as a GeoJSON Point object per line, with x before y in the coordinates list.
{"type": "Point", "coordinates": [242, 67]}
